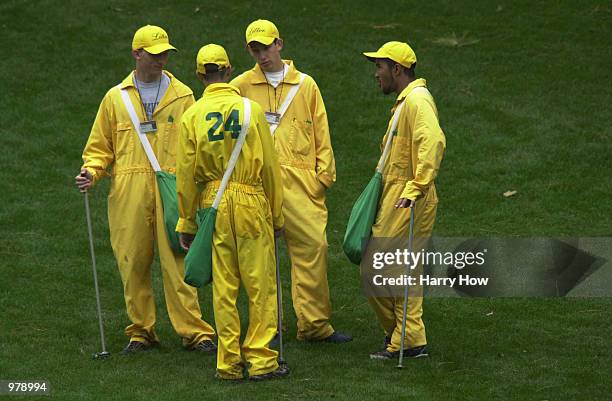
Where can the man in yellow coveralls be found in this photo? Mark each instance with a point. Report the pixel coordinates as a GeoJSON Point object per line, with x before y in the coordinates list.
{"type": "Point", "coordinates": [303, 146]}
{"type": "Point", "coordinates": [249, 213]}
{"type": "Point", "coordinates": [408, 181]}
{"type": "Point", "coordinates": [135, 213]}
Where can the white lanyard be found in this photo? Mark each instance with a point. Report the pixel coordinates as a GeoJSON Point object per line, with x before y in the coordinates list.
{"type": "Point", "coordinates": [290, 95]}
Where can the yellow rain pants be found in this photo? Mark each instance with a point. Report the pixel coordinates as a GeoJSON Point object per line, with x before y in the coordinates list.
{"type": "Point", "coordinates": [244, 252]}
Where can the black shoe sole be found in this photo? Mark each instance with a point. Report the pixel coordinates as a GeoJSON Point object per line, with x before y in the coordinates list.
{"type": "Point", "coordinates": [276, 374]}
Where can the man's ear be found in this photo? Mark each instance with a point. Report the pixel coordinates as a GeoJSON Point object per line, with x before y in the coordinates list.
{"type": "Point", "coordinates": [397, 70]}
{"type": "Point", "coordinates": [136, 54]}
{"type": "Point", "coordinates": [279, 44]}
{"type": "Point", "coordinates": [228, 73]}
{"type": "Point", "coordinates": [200, 76]}
{"type": "Point", "coordinates": [249, 50]}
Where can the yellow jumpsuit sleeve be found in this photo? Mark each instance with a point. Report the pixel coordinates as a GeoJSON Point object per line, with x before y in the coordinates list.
{"type": "Point", "coordinates": [271, 175]}
{"type": "Point", "coordinates": [428, 144]}
{"type": "Point", "coordinates": [186, 187]}
{"type": "Point", "coordinates": [98, 154]}
{"type": "Point", "coordinates": [325, 162]}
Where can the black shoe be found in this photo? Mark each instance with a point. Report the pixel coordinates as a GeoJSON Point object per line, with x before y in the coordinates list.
{"type": "Point", "coordinates": [416, 352]}
{"type": "Point", "coordinates": [135, 347]}
{"type": "Point", "coordinates": [338, 338]}
{"type": "Point", "coordinates": [384, 354]}
{"type": "Point", "coordinates": [282, 371]}
{"type": "Point", "coordinates": [205, 347]}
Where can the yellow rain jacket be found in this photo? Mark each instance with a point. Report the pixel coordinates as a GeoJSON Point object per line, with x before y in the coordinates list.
{"type": "Point", "coordinates": [305, 154]}
{"type": "Point", "coordinates": [243, 241]}
{"type": "Point", "coordinates": [135, 213]}
{"type": "Point", "coordinates": [414, 160]}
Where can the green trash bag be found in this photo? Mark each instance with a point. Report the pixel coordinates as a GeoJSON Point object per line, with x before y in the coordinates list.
{"type": "Point", "coordinates": [198, 262]}
{"type": "Point", "coordinates": [363, 214]}
{"type": "Point", "coordinates": [166, 183]}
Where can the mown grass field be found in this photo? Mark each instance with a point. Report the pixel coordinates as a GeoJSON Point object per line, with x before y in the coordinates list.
{"type": "Point", "coordinates": [523, 91]}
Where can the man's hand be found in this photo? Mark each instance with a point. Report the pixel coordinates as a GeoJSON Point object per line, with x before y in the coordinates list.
{"type": "Point", "coordinates": [84, 180]}
{"type": "Point", "coordinates": [279, 233]}
{"type": "Point", "coordinates": [403, 203]}
{"type": "Point", "coordinates": [185, 240]}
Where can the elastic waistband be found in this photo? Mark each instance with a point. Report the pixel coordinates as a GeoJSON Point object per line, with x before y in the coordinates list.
{"type": "Point", "coordinates": [140, 170]}
{"type": "Point", "coordinates": [297, 163]}
{"type": "Point", "coordinates": [234, 186]}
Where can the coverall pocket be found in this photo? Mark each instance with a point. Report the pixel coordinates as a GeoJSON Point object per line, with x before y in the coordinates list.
{"type": "Point", "coordinates": [248, 221]}
{"type": "Point", "coordinates": [124, 142]}
{"type": "Point", "coordinates": [171, 139]}
{"type": "Point", "coordinates": [400, 156]}
{"type": "Point", "coordinates": [301, 134]}
{"type": "Point", "coordinates": [316, 188]}
{"type": "Point", "coordinates": [431, 198]}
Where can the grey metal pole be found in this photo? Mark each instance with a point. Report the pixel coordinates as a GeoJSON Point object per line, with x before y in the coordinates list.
{"type": "Point", "coordinates": [410, 239]}
{"type": "Point", "coordinates": [104, 353]}
{"type": "Point", "coordinates": [279, 308]}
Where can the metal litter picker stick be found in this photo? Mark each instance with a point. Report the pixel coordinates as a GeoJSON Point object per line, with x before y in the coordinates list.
{"type": "Point", "coordinates": [279, 308]}
{"type": "Point", "coordinates": [104, 353]}
{"type": "Point", "coordinates": [410, 239]}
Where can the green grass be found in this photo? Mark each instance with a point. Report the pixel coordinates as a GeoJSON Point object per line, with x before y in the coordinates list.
{"type": "Point", "coordinates": [523, 91]}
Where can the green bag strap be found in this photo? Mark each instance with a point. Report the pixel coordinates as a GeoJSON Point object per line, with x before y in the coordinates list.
{"type": "Point", "coordinates": [235, 152]}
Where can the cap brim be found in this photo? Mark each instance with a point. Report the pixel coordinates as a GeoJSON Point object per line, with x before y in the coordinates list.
{"type": "Point", "coordinates": [162, 47]}
{"type": "Point", "coordinates": [264, 40]}
{"type": "Point", "coordinates": [372, 56]}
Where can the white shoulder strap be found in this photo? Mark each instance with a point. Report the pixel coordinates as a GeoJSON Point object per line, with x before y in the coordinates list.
{"type": "Point", "coordinates": [235, 152]}
{"type": "Point", "coordinates": [290, 95]}
{"type": "Point", "coordinates": [136, 123]}
{"type": "Point", "coordinates": [421, 89]}
{"type": "Point", "coordinates": [390, 135]}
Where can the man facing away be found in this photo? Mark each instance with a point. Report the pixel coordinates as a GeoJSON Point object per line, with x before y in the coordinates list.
{"type": "Point", "coordinates": [249, 212]}
{"type": "Point", "coordinates": [408, 181]}
{"type": "Point", "coordinates": [135, 213]}
{"type": "Point", "coordinates": [303, 145]}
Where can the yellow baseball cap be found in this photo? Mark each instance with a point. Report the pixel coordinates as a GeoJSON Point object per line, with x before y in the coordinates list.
{"type": "Point", "coordinates": [152, 39]}
{"type": "Point", "coordinates": [211, 54]}
{"type": "Point", "coordinates": [399, 52]}
{"type": "Point", "coordinates": [262, 31]}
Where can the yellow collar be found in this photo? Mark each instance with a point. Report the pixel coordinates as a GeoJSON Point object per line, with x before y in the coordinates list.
{"type": "Point", "coordinates": [220, 88]}
{"type": "Point", "coordinates": [179, 89]}
{"type": "Point", "coordinates": [129, 80]}
{"type": "Point", "coordinates": [414, 84]}
{"type": "Point", "coordinates": [292, 77]}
